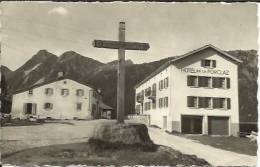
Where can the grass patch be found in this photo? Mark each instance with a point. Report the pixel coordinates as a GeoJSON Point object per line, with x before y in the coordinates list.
{"type": "Point", "coordinates": [230, 143]}
{"type": "Point", "coordinates": [102, 153]}
{"type": "Point", "coordinates": [18, 122]}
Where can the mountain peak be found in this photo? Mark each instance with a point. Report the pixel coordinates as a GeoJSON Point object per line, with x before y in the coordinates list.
{"type": "Point", "coordinates": [43, 54]}
{"type": "Point", "coordinates": [68, 55]}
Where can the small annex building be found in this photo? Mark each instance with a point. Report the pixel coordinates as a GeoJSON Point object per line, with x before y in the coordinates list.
{"type": "Point", "coordinates": [62, 98]}
{"type": "Point", "coordinates": [196, 93]}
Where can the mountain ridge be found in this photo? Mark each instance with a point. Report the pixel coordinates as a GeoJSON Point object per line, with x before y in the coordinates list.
{"type": "Point", "coordinates": [44, 66]}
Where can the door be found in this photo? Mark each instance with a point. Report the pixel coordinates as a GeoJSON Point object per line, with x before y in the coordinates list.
{"type": "Point", "coordinates": [191, 124]}
{"type": "Point", "coordinates": [30, 108]}
{"type": "Point", "coordinates": [164, 122]}
{"type": "Point", "coordinates": [218, 125]}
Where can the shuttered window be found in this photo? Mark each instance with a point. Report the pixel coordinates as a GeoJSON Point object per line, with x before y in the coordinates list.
{"type": "Point", "coordinates": [192, 80]}
{"type": "Point", "coordinates": [48, 105]}
{"type": "Point", "coordinates": [203, 81]}
{"type": "Point", "coordinates": [80, 92]}
{"type": "Point", "coordinates": [209, 102]}
{"type": "Point", "coordinates": [160, 102]}
{"type": "Point", "coordinates": [227, 83]}
{"type": "Point", "coordinates": [64, 92]}
{"type": "Point", "coordinates": [138, 109]}
{"type": "Point", "coordinates": [79, 106]}
{"type": "Point", "coordinates": [154, 89]}
{"type": "Point", "coordinates": [147, 106]}
{"type": "Point", "coordinates": [48, 91]}
{"type": "Point", "coordinates": [166, 83]}
{"type": "Point", "coordinates": [208, 63]}
{"type": "Point", "coordinates": [165, 102]}
{"type": "Point", "coordinates": [192, 101]}
{"type": "Point", "coordinates": [161, 85]}
{"type": "Point", "coordinates": [154, 104]}
{"type": "Point", "coordinates": [30, 92]}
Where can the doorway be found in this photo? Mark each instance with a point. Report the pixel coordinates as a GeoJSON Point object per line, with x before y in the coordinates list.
{"type": "Point", "coordinates": [30, 108]}
{"type": "Point", "coordinates": [191, 124]}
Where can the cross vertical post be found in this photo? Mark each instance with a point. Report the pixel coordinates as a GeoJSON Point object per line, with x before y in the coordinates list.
{"type": "Point", "coordinates": [121, 45]}
{"type": "Point", "coordinates": [121, 76]}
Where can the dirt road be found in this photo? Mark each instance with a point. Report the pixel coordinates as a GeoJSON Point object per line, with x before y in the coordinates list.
{"type": "Point", "coordinates": [214, 156]}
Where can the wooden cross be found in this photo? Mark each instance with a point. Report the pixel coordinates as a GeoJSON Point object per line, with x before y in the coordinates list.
{"type": "Point", "coordinates": [121, 45]}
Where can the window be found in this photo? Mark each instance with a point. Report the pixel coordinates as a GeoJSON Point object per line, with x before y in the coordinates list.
{"type": "Point", "coordinates": [30, 92]}
{"type": "Point", "coordinates": [165, 102]}
{"type": "Point", "coordinates": [208, 102]}
{"type": "Point", "coordinates": [166, 83]}
{"type": "Point", "coordinates": [48, 106]}
{"type": "Point", "coordinates": [79, 106]}
{"type": "Point", "coordinates": [64, 92]}
{"type": "Point", "coordinates": [137, 109]}
{"type": "Point", "coordinates": [48, 91]}
{"type": "Point", "coordinates": [221, 82]}
{"type": "Point", "coordinates": [192, 81]}
{"type": "Point", "coordinates": [80, 92]}
{"type": "Point", "coordinates": [160, 102]}
{"type": "Point", "coordinates": [192, 101]}
{"type": "Point", "coordinates": [161, 85]}
{"type": "Point", "coordinates": [148, 91]}
{"type": "Point", "coordinates": [222, 103]}
{"type": "Point", "coordinates": [208, 63]}
{"type": "Point", "coordinates": [208, 82]}
{"type": "Point", "coordinates": [94, 94]}
{"type": "Point", "coordinates": [154, 104]}
{"type": "Point", "coordinates": [154, 89]}
{"type": "Point", "coordinates": [147, 106]}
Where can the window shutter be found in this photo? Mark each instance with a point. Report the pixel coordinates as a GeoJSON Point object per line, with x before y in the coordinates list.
{"type": "Point", "coordinates": [189, 83]}
{"type": "Point", "coordinates": [204, 102]}
{"type": "Point", "coordinates": [201, 81]}
{"type": "Point", "coordinates": [227, 83]}
{"type": "Point", "coordinates": [216, 82]}
{"type": "Point", "coordinates": [24, 108]}
{"type": "Point", "coordinates": [189, 101]}
{"type": "Point", "coordinates": [214, 63]}
{"type": "Point", "coordinates": [228, 103]}
{"type": "Point", "coordinates": [215, 103]}
{"type": "Point", "coordinates": [202, 63]}
{"type": "Point", "coordinates": [201, 102]}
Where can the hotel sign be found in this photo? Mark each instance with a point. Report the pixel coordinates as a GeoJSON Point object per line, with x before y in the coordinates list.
{"type": "Point", "coordinates": [205, 71]}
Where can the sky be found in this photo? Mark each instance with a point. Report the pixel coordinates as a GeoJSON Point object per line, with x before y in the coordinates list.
{"type": "Point", "coordinates": [171, 29]}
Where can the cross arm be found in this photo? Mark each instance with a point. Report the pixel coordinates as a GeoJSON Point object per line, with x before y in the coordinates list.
{"type": "Point", "coordinates": [120, 45]}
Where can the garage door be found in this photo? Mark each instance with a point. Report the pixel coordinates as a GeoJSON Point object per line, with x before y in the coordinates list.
{"type": "Point", "coordinates": [218, 125]}
{"type": "Point", "coordinates": [191, 124]}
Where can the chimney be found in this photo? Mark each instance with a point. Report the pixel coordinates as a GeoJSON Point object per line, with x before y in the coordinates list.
{"type": "Point", "coordinates": [60, 74]}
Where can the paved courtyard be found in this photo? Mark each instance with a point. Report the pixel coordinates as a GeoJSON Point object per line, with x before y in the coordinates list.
{"type": "Point", "coordinates": [23, 137]}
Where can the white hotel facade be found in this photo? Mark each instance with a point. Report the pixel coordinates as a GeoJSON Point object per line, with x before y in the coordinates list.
{"type": "Point", "coordinates": [196, 93]}
{"type": "Point", "coordinates": [62, 98]}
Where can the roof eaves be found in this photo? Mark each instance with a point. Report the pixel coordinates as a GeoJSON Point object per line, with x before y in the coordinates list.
{"type": "Point", "coordinates": [161, 68]}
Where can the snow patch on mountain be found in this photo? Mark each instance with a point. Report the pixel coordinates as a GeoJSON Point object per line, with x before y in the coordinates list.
{"type": "Point", "coordinates": [26, 72]}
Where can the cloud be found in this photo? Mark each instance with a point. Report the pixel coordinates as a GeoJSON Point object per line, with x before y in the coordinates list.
{"type": "Point", "coordinates": [58, 10]}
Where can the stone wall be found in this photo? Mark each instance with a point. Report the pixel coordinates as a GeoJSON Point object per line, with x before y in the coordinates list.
{"type": "Point", "coordinates": [139, 118]}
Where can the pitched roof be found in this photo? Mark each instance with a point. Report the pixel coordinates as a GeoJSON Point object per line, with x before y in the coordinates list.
{"type": "Point", "coordinates": [180, 58]}
{"type": "Point", "coordinates": [48, 82]}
